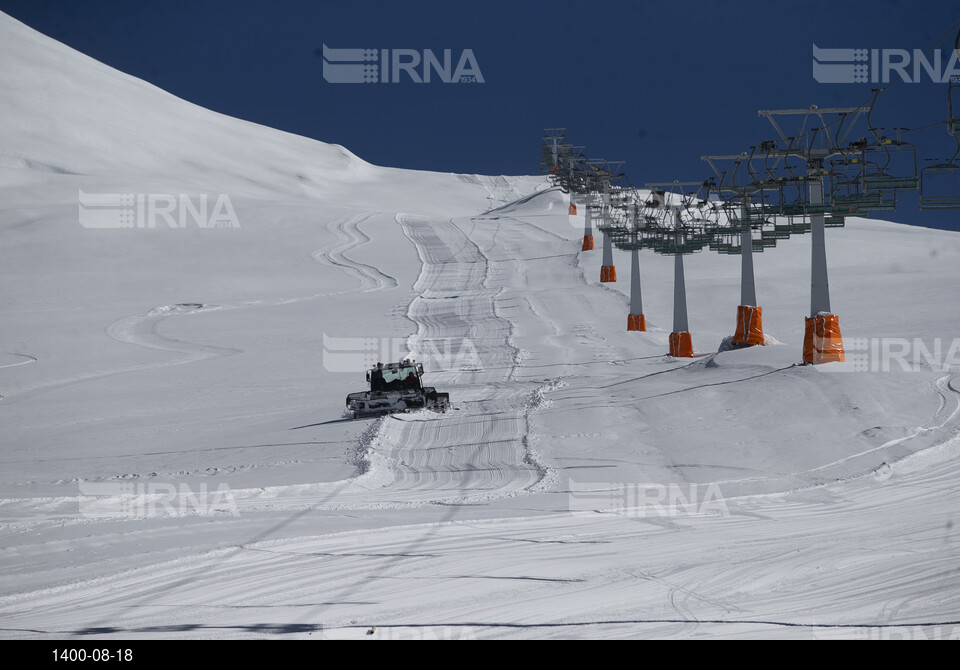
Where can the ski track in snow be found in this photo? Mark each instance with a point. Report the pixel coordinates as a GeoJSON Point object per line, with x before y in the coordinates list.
{"type": "Point", "coordinates": [144, 331]}
{"type": "Point", "coordinates": [141, 330]}
{"type": "Point", "coordinates": [29, 359]}
{"type": "Point", "coordinates": [351, 236]}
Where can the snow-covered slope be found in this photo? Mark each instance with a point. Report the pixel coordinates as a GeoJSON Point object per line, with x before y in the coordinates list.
{"type": "Point", "coordinates": [66, 113]}
{"type": "Point", "coordinates": [587, 484]}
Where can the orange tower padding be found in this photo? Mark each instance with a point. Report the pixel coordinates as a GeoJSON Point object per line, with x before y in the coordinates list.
{"type": "Point", "coordinates": [608, 273]}
{"type": "Point", "coordinates": [573, 209]}
{"type": "Point", "coordinates": [822, 342]}
{"type": "Point", "coordinates": [749, 326]}
{"type": "Point", "coordinates": [636, 322]}
{"type": "Point", "coordinates": [587, 243]}
{"type": "Point", "coordinates": [681, 345]}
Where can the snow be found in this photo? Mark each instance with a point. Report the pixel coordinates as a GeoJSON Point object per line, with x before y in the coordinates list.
{"type": "Point", "coordinates": [809, 502]}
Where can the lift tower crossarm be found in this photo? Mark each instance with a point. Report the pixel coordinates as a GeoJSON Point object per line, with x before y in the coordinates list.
{"type": "Point", "coordinates": [733, 157]}
{"type": "Point", "coordinates": [809, 153]}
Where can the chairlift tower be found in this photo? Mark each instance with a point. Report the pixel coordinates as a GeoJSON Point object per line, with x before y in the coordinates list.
{"type": "Point", "coordinates": [626, 229]}
{"type": "Point", "coordinates": [552, 139]}
{"type": "Point", "coordinates": [574, 170]}
{"type": "Point", "coordinates": [597, 177]}
{"type": "Point", "coordinates": [587, 223]}
{"type": "Point", "coordinates": [822, 340]}
{"type": "Point", "coordinates": [678, 239]}
{"type": "Point", "coordinates": [608, 271]}
{"type": "Point", "coordinates": [681, 342]}
{"type": "Point", "coordinates": [749, 331]}
{"type": "Point", "coordinates": [553, 142]}
{"type": "Point", "coordinates": [635, 318]}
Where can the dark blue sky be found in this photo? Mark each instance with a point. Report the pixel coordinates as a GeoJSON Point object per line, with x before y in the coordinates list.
{"type": "Point", "coordinates": [654, 83]}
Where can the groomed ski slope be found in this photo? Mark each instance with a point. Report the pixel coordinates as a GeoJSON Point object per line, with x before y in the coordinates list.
{"type": "Point", "coordinates": [814, 502]}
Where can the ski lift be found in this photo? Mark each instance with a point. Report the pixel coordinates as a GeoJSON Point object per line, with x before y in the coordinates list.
{"type": "Point", "coordinates": [849, 194]}
{"type": "Point", "coordinates": [862, 203]}
{"type": "Point", "coordinates": [940, 186]}
{"type": "Point", "coordinates": [891, 165]}
{"type": "Point", "coordinates": [794, 209]}
{"type": "Point", "coordinates": [844, 177]}
{"type": "Point", "coordinates": [940, 183]}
